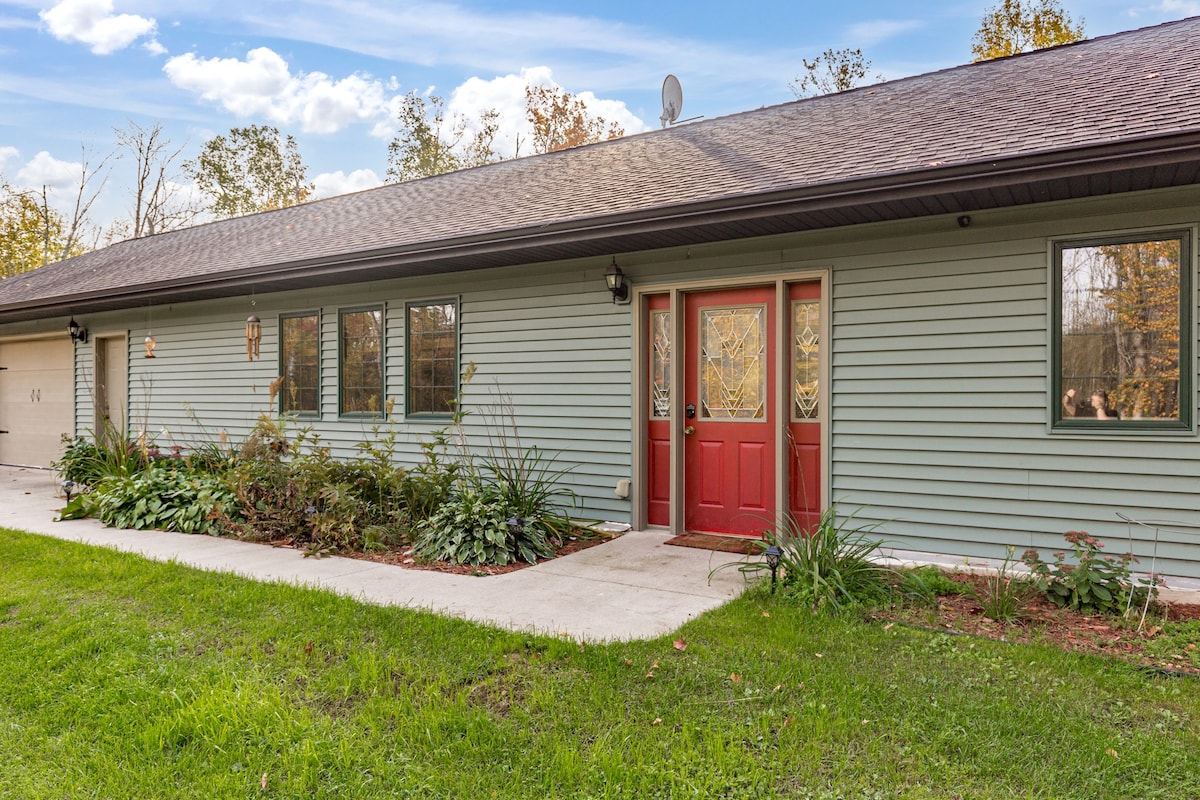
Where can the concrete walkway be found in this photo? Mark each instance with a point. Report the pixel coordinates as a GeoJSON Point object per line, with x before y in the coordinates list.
{"type": "Point", "coordinates": [634, 587]}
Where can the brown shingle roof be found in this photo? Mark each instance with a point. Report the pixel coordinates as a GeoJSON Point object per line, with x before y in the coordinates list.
{"type": "Point", "coordinates": [1135, 92]}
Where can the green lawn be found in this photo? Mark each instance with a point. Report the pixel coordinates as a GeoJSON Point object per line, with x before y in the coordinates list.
{"type": "Point", "coordinates": [122, 678]}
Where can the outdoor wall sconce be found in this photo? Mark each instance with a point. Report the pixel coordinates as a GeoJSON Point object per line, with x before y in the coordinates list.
{"type": "Point", "coordinates": [253, 336]}
{"type": "Point", "coordinates": [773, 554]}
{"type": "Point", "coordinates": [78, 334]}
{"type": "Point", "coordinates": [615, 280]}
{"type": "Point", "coordinates": [150, 344]}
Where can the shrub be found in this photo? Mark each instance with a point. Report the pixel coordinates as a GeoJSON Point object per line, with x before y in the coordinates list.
{"type": "Point", "coordinates": [925, 584]}
{"type": "Point", "coordinates": [1092, 583]}
{"type": "Point", "coordinates": [291, 487]}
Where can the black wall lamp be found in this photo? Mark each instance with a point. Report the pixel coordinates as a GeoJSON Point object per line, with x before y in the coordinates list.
{"type": "Point", "coordinates": [78, 334]}
{"type": "Point", "coordinates": [615, 280]}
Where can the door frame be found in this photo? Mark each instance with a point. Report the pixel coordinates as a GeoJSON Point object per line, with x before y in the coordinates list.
{"type": "Point", "coordinates": [782, 366]}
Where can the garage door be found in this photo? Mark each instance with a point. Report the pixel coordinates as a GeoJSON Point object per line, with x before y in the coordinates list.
{"type": "Point", "coordinates": [37, 400]}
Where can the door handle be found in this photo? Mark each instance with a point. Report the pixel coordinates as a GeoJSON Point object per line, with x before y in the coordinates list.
{"type": "Point", "coordinates": [689, 430]}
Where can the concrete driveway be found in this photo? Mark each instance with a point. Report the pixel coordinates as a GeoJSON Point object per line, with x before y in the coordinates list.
{"type": "Point", "coordinates": [634, 587]}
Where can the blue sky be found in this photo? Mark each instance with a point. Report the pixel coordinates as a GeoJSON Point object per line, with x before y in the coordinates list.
{"type": "Point", "coordinates": [331, 72]}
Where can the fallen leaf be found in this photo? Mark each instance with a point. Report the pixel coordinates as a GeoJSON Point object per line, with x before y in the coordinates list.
{"type": "Point", "coordinates": [818, 655]}
{"type": "Point", "coordinates": [733, 676]}
{"type": "Point", "coordinates": [308, 648]}
{"type": "Point", "coordinates": [263, 782]}
{"type": "Point", "coordinates": [680, 644]}
{"type": "Point", "coordinates": [657, 721]}
{"type": "Point", "coordinates": [888, 627]}
{"type": "Point", "coordinates": [766, 613]}
{"type": "Point", "coordinates": [1112, 753]}
{"type": "Point", "coordinates": [629, 662]}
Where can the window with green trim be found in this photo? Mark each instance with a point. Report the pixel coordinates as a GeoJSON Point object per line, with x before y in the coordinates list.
{"type": "Point", "coordinates": [432, 357]}
{"type": "Point", "coordinates": [299, 363]}
{"type": "Point", "coordinates": [360, 361]}
{"type": "Point", "coordinates": [1122, 344]}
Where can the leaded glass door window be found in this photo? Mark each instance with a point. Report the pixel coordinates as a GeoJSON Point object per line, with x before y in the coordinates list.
{"type": "Point", "coordinates": [733, 367]}
{"type": "Point", "coordinates": [806, 362]}
{"type": "Point", "coordinates": [660, 364]}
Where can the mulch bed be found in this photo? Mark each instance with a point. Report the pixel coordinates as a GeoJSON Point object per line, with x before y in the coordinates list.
{"type": "Point", "coordinates": [404, 557]}
{"type": "Point", "coordinates": [1045, 623]}
{"type": "Point", "coordinates": [742, 545]}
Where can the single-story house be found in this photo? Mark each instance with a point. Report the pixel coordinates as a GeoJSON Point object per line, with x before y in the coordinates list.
{"type": "Point", "coordinates": [963, 303]}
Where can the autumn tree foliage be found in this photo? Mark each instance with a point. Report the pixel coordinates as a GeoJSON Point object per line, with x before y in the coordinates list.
{"type": "Point", "coordinates": [1018, 26]}
{"type": "Point", "coordinates": [33, 233]}
{"type": "Point", "coordinates": [832, 71]}
{"type": "Point", "coordinates": [561, 120]}
{"type": "Point", "coordinates": [25, 243]}
{"type": "Point", "coordinates": [428, 145]}
{"type": "Point", "coordinates": [252, 169]}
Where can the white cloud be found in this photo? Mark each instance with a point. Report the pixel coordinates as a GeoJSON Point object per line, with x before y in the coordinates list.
{"type": "Point", "coordinates": [1185, 8]}
{"type": "Point", "coordinates": [8, 154]}
{"type": "Point", "coordinates": [46, 170]}
{"type": "Point", "coordinates": [506, 95]}
{"type": "Point", "coordinates": [93, 23]}
{"type": "Point", "coordinates": [331, 184]}
{"type": "Point", "coordinates": [263, 84]}
{"type": "Point", "coordinates": [876, 31]}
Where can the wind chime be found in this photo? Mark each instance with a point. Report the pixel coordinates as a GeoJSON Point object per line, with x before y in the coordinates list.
{"type": "Point", "coordinates": [150, 342]}
{"type": "Point", "coordinates": [253, 336]}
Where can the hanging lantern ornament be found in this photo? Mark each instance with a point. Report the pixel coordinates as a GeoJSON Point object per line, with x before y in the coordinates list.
{"type": "Point", "coordinates": [150, 343]}
{"type": "Point", "coordinates": [253, 336]}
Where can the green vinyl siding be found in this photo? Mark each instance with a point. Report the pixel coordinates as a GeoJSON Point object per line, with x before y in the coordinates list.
{"type": "Point", "coordinates": [939, 404]}
{"type": "Point", "coordinates": [942, 402]}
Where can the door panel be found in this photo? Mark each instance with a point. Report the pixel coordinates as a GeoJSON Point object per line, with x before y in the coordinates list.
{"type": "Point", "coordinates": [658, 404]}
{"type": "Point", "coordinates": [729, 455]}
{"type": "Point", "coordinates": [111, 370]}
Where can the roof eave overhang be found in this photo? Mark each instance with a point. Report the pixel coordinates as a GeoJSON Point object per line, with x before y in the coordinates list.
{"type": "Point", "coordinates": [1144, 163]}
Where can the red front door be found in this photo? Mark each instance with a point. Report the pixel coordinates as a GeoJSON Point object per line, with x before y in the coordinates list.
{"type": "Point", "coordinates": [730, 415]}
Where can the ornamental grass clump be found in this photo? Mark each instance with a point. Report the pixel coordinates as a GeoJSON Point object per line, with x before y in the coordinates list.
{"type": "Point", "coordinates": [1003, 595]}
{"type": "Point", "coordinates": [831, 567]}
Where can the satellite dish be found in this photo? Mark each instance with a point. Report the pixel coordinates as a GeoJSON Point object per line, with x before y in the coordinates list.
{"type": "Point", "coordinates": [672, 96]}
